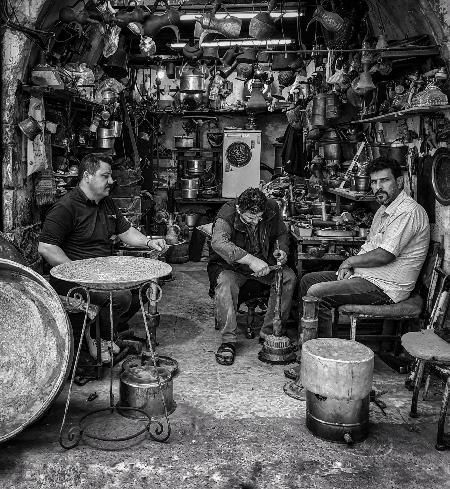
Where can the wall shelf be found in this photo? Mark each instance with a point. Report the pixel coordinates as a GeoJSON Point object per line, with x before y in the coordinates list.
{"type": "Point", "coordinates": [211, 112]}
{"type": "Point", "coordinates": [61, 95]}
{"type": "Point", "coordinates": [403, 114]}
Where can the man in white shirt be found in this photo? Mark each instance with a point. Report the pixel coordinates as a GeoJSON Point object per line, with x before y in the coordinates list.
{"type": "Point", "coordinates": [388, 264]}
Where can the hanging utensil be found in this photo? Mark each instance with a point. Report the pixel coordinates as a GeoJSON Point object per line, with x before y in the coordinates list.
{"type": "Point", "coordinates": [228, 26]}
{"type": "Point", "coordinates": [262, 26]}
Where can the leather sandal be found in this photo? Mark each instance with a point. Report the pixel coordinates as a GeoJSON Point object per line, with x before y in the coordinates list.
{"type": "Point", "coordinates": [292, 373]}
{"type": "Point", "coordinates": [225, 354]}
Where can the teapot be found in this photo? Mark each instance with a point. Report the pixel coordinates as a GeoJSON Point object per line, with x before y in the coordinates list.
{"type": "Point", "coordinates": [173, 230]}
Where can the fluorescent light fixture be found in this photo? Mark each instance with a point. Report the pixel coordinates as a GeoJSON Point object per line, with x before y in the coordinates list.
{"type": "Point", "coordinates": [239, 42]}
{"type": "Point", "coordinates": [243, 15]}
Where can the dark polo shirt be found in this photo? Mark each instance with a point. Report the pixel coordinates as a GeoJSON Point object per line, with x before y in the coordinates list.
{"type": "Point", "coordinates": [82, 228]}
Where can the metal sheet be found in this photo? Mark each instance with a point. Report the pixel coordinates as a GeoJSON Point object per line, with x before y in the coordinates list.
{"type": "Point", "coordinates": [35, 347]}
{"type": "Point", "coordinates": [111, 272]}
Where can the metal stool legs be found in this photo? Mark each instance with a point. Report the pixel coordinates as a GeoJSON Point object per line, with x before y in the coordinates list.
{"type": "Point", "coordinates": [443, 439]}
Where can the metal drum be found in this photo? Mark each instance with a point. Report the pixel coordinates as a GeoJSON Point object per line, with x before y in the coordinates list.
{"type": "Point", "coordinates": [337, 420]}
{"type": "Point", "coordinates": [35, 348]}
{"type": "Point", "coordinates": [337, 375]}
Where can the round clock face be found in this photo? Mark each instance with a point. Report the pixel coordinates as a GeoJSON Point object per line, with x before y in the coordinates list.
{"type": "Point", "coordinates": [440, 175]}
{"type": "Point", "coordinates": [239, 154]}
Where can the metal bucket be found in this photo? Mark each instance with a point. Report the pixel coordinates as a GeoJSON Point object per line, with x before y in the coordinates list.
{"type": "Point", "coordinates": [139, 389]}
{"type": "Point", "coordinates": [189, 188]}
{"type": "Point", "coordinates": [333, 106]}
{"type": "Point", "coordinates": [196, 167]}
{"type": "Point", "coordinates": [362, 183]}
{"type": "Point", "coordinates": [337, 420]}
{"type": "Point", "coordinates": [318, 110]}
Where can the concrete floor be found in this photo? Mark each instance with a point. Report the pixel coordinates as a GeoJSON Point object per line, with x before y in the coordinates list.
{"type": "Point", "coordinates": [233, 427]}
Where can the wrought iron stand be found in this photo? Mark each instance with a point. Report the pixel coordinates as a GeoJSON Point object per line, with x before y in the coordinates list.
{"type": "Point", "coordinates": [157, 429]}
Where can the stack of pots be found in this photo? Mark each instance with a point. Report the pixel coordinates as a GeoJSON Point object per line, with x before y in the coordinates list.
{"type": "Point", "coordinates": [189, 188]}
{"type": "Point", "coordinates": [326, 109]}
{"type": "Point", "coordinates": [331, 143]}
{"type": "Point", "coordinates": [106, 137]}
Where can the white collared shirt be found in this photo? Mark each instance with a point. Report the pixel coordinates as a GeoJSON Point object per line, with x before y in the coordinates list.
{"type": "Point", "coordinates": [402, 228]}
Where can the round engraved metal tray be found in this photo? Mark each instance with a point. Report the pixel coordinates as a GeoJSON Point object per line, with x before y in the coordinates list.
{"type": "Point", "coordinates": [111, 272]}
{"type": "Point", "coordinates": [36, 347]}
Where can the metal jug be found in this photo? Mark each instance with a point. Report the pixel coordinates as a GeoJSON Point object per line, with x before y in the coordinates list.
{"type": "Point", "coordinates": [173, 231]}
{"type": "Point", "coordinates": [262, 26]}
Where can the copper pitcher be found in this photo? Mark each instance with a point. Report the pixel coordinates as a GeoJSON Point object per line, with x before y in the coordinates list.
{"type": "Point", "coordinates": [228, 26]}
{"type": "Point", "coordinates": [331, 21]}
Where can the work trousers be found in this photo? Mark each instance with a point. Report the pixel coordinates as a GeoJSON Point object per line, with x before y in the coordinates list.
{"type": "Point", "coordinates": [334, 293]}
{"type": "Point", "coordinates": [226, 300]}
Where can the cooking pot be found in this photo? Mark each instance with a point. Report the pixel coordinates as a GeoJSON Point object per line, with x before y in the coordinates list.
{"type": "Point", "coordinates": [189, 188]}
{"type": "Point", "coordinates": [184, 141]}
{"type": "Point", "coordinates": [362, 183]}
{"type": "Point", "coordinates": [139, 388]}
{"type": "Point", "coordinates": [105, 137]}
{"type": "Point", "coordinates": [191, 219]}
{"type": "Point", "coordinates": [191, 82]}
{"type": "Point", "coordinates": [196, 167]}
{"type": "Point", "coordinates": [330, 141]}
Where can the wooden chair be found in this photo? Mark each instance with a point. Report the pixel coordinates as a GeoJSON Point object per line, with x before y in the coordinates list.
{"type": "Point", "coordinates": [432, 351]}
{"type": "Point", "coordinates": [411, 308]}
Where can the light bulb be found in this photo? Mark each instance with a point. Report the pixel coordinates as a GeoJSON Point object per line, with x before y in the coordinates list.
{"type": "Point", "coordinates": [161, 74]}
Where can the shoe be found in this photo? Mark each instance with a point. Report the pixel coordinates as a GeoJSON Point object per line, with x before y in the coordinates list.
{"type": "Point", "coordinates": [104, 348]}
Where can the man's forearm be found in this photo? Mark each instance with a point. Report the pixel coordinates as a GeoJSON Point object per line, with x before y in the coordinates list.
{"type": "Point", "coordinates": [246, 259]}
{"type": "Point", "coordinates": [133, 237]}
{"type": "Point", "coordinates": [374, 258]}
{"type": "Point", "coordinates": [52, 254]}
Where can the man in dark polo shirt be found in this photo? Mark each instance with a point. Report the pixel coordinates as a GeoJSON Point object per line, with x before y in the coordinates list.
{"type": "Point", "coordinates": [82, 224]}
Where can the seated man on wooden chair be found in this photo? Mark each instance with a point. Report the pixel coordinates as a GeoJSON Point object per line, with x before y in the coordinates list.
{"type": "Point", "coordinates": [82, 225]}
{"type": "Point", "coordinates": [386, 268]}
{"type": "Point", "coordinates": [249, 237]}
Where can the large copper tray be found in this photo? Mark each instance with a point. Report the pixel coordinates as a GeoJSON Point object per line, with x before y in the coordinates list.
{"type": "Point", "coordinates": [111, 272]}
{"type": "Point", "coordinates": [35, 347]}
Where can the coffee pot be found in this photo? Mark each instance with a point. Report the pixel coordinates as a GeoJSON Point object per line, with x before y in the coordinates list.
{"type": "Point", "coordinates": [173, 230]}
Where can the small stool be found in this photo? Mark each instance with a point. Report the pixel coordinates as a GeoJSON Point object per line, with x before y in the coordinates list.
{"type": "Point", "coordinates": [337, 375]}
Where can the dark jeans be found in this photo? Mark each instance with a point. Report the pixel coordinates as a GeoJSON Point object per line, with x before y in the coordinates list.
{"type": "Point", "coordinates": [226, 299]}
{"type": "Point", "coordinates": [121, 301]}
{"type": "Point", "coordinates": [334, 293]}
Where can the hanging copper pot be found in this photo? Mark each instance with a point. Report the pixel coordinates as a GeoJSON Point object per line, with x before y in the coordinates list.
{"type": "Point", "coordinates": [244, 71]}
{"type": "Point", "coordinates": [262, 26]}
{"type": "Point", "coordinates": [228, 26]}
{"type": "Point", "coordinates": [286, 78]}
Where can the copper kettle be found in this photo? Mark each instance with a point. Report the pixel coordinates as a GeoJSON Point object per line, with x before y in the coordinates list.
{"type": "Point", "coordinates": [228, 26]}
{"type": "Point", "coordinates": [231, 55]}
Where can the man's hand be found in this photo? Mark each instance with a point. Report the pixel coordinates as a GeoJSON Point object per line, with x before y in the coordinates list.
{"type": "Point", "coordinates": [157, 244]}
{"type": "Point", "coordinates": [280, 256]}
{"type": "Point", "coordinates": [345, 270]}
{"type": "Point", "coordinates": [259, 267]}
